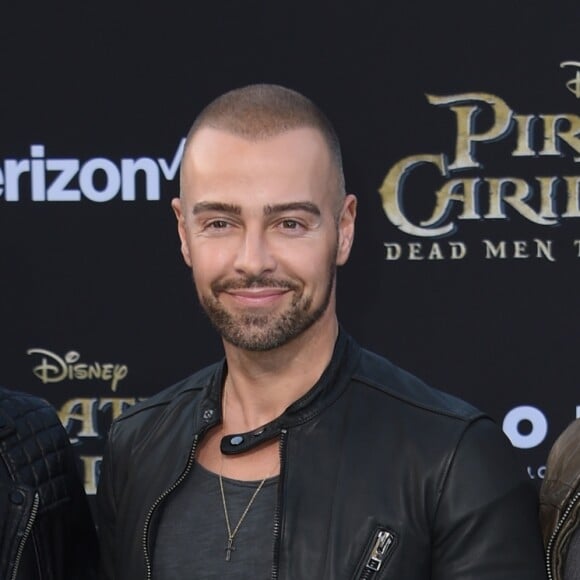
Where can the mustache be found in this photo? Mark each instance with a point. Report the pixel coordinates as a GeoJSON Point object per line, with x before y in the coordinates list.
{"type": "Point", "coordinates": [247, 282]}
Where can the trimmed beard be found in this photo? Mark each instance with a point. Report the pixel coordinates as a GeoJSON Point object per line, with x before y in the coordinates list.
{"type": "Point", "coordinates": [265, 332]}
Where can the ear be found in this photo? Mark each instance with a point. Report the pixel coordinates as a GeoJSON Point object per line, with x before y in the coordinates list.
{"type": "Point", "coordinates": [178, 211]}
{"type": "Point", "coordinates": [346, 229]}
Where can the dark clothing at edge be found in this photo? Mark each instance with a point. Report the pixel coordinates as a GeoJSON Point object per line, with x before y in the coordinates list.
{"type": "Point", "coordinates": [46, 529]}
{"type": "Point", "coordinates": [560, 505]}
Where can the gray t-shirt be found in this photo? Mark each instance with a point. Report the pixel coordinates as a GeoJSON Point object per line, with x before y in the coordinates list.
{"type": "Point", "coordinates": [191, 538]}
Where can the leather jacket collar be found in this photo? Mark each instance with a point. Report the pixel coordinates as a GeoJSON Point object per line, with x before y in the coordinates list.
{"type": "Point", "coordinates": [329, 386]}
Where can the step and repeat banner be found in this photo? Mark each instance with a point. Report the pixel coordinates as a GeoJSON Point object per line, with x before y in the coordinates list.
{"type": "Point", "coordinates": [461, 138]}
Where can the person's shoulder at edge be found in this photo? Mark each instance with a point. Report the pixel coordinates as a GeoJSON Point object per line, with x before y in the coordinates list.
{"type": "Point", "coordinates": [27, 413]}
{"type": "Point", "coordinates": [26, 400]}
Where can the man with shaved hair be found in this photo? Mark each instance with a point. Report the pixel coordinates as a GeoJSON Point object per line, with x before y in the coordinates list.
{"type": "Point", "coordinates": [299, 456]}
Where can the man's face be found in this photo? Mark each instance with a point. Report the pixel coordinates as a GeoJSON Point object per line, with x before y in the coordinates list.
{"type": "Point", "coordinates": [263, 228]}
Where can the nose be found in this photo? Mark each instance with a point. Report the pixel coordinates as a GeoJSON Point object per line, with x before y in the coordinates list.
{"type": "Point", "coordinates": [254, 256]}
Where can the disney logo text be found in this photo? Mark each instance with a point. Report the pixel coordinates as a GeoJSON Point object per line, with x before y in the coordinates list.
{"type": "Point", "coordinates": [54, 369]}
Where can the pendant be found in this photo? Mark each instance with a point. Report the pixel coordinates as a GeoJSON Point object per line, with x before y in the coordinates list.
{"type": "Point", "coordinates": [229, 549]}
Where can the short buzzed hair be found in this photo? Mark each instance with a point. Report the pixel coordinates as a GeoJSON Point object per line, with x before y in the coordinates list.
{"type": "Point", "coordinates": [261, 111]}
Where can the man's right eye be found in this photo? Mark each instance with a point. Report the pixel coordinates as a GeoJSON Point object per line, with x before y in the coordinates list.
{"type": "Point", "coordinates": [217, 224]}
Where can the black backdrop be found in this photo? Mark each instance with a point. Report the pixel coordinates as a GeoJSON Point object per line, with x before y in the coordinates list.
{"type": "Point", "coordinates": [97, 308]}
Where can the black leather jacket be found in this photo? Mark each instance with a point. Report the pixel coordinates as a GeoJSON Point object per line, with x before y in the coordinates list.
{"type": "Point", "coordinates": [46, 530]}
{"type": "Point", "coordinates": [381, 478]}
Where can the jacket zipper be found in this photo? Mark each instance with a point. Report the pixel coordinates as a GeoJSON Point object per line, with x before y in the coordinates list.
{"type": "Point", "coordinates": [278, 512]}
{"type": "Point", "coordinates": [27, 531]}
{"type": "Point", "coordinates": [380, 547]}
{"type": "Point", "coordinates": [156, 503]}
{"type": "Point", "coordinates": [556, 531]}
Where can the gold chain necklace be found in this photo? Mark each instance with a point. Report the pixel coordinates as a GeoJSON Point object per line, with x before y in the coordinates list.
{"type": "Point", "coordinates": [232, 533]}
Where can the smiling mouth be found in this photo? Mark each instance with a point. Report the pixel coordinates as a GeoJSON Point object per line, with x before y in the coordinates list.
{"type": "Point", "coordinates": [253, 286]}
{"type": "Point", "coordinates": [256, 292]}
{"type": "Point", "coordinates": [256, 296]}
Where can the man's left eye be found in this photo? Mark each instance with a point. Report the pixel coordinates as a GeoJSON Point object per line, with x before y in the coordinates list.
{"type": "Point", "coordinates": [290, 224]}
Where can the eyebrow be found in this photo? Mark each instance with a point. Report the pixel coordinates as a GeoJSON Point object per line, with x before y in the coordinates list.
{"type": "Point", "coordinates": [306, 206]}
{"type": "Point", "coordinates": [204, 206]}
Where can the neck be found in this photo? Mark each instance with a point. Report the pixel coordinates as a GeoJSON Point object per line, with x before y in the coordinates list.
{"type": "Point", "coordinates": [261, 385]}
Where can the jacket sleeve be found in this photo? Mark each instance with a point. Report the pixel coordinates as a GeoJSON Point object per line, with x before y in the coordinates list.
{"type": "Point", "coordinates": [107, 512]}
{"type": "Point", "coordinates": [486, 525]}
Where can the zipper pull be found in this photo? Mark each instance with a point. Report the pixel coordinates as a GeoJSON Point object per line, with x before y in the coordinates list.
{"type": "Point", "coordinates": [383, 541]}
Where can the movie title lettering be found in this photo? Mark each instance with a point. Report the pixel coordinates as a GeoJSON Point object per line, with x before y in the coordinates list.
{"type": "Point", "coordinates": [460, 189]}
